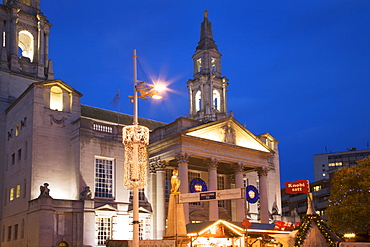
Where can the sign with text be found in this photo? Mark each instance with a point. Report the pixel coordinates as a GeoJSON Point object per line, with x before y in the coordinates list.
{"type": "Point", "coordinates": [212, 195]}
{"type": "Point", "coordinates": [299, 186]}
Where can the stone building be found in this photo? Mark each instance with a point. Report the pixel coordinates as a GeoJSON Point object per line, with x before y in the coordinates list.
{"type": "Point", "coordinates": [62, 162]}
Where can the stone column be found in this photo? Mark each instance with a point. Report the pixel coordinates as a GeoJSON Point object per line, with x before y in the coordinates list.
{"type": "Point", "coordinates": [88, 223]}
{"type": "Point", "coordinates": [239, 183]}
{"type": "Point", "coordinates": [182, 161]}
{"type": "Point", "coordinates": [151, 192]}
{"type": "Point", "coordinates": [161, 198]}
{"type": "Point", "coordinates": [212, 185]}
{"type": "Point", "coordinates": [264, 211]}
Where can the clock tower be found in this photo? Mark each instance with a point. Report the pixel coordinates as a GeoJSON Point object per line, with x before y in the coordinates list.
{"type": "Point", "coordinates": [208, 87]}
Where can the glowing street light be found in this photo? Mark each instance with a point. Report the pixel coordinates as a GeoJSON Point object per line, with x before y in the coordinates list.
{"type": "Point", "coordinates": [136, 139]}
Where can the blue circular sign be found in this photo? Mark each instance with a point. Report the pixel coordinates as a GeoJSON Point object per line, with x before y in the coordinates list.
{"type": "Point", "coordinates": [252, 194]}
{"type": "Point", "coordinates": [197, 185]}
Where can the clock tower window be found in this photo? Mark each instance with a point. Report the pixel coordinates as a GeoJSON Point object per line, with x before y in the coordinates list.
{"type": "Point", "coordinates": [26, 44]}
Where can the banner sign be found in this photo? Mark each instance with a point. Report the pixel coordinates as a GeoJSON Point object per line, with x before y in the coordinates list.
{"type": "Point", "coordinates": [212, 195]}
{"type": "Point", "coordinates": [299, 186]}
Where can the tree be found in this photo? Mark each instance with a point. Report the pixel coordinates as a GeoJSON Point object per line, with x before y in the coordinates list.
{"type": "Point", "coordinates": [349, 204]}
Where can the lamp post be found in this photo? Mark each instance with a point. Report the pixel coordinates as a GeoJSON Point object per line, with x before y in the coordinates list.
{"type": "Point", "coordinates": [135, 139]}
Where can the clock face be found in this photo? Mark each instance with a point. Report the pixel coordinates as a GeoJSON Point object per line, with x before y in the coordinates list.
{"type": "Point", "coordinates": [197, 185]}
{"type": "Point", "coordinates": [252, 194]}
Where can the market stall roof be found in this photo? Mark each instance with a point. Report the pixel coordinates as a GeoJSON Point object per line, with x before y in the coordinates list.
{"type": "Point", "coordinates": [231, 229]}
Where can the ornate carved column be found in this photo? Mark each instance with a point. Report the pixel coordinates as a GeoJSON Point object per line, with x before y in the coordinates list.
{"type": "Point", "coordinates": [212, 185]}
{"type": "Point", "coordinates": [239, 183]}
{"type": "Point", "coordinates": [264, 211]}
{"type": "Point", "coordinates": [182, 161]}
{"type": "Point", "coordinates": [161, 198]}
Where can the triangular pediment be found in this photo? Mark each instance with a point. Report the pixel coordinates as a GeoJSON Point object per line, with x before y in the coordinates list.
{"type": "Point", "coordinates": [106, 207]}
{"type": "Point", "coordinates": [229, 131]}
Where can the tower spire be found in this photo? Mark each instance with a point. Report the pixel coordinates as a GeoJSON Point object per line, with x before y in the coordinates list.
{"type": "Point", "coordinates": [208, 87]}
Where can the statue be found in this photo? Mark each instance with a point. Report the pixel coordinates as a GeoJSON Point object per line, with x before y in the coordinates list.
{"type": "Point", "coordinates": [44, 190]}
{"type": "Point", "coordinates": [229, 134]}
{"type": "Point", "coordinates": [175, 182]}
{"type": "Point", "coordinates": [86, 194]}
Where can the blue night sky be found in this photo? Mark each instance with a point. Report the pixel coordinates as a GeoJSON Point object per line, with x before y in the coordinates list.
{"type": "Point", "coordinates": [299, 70]}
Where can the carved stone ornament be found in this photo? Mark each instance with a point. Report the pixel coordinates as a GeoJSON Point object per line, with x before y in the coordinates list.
{"type": "Point", "coordinates": [262, 172]}
{"type": "Point", "coordinates": [85, 194]}
{"type": "Point", "coordinates": [211, 163]}
{"type": "Point", "coordinates": [238, 168]}
{"type": "Point", "coordinates": [57, 121]}
{"type": "Point", "coordinates": [228, 133]}
{"type": "Point", "coordinates": [44, 190]}
{"type": "Point", "coordinates": [182, 158]}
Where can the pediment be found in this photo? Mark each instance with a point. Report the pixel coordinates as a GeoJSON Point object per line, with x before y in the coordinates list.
{"type": "Point", "coordinates": [106, 207]}
{"type": "Point", "coordinates": [229, 131]}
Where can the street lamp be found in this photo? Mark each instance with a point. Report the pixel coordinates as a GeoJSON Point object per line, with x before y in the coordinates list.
{"type": "Point", "coordinates": [135, 139]}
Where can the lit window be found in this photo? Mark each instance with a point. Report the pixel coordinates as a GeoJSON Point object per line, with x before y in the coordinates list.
{"type": "Point", "coordinates": [11, 194]}
{"type": "Point", "coordinates": [56, 98]}
{"type": "Point", "coordinates": [213, 62]}
{"type": "Point", "coordinates": [216, 99]}
{"type": "Point", "coordinates": [18, 191]}
{"type": "Point", "coordinates": [199, 65]}
{"type": "Point", "coordinates": [17, 130]}
{"type": "Point", "coordinates": [104, 226]}
{"type": "Point", "coordinates": [324, 174]}
{"type": "Point", "coordinates": [104, 178]}
{"type": "Point", "coordinates": [26, 44]}
{"type": "Point", "coordinates": [198, 101]}
{"type": "Point", "coordinates": [27, 2]}
{"type": "Point", "coordinates": [317, 188]}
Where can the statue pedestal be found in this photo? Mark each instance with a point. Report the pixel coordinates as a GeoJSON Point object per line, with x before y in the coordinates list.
{"type": "Point", "coordinates": [176, 226]}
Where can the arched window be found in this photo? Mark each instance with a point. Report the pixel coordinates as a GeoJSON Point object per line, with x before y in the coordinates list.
{"type": "Point", "coordinates": [198, 101]}
{"type": "Point", "coordinates": [26, 44]}
{"type": "Point", "coordinates": [213, 63]}
{"type": "Point", "coordinates": [56, 98]}
{"type": "Point", "coordinates": [216, 100]}
{"type": "Point", "coordinates": [199, 65]}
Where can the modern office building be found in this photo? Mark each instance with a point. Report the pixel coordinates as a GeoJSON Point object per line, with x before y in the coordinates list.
{"type": "Point", "coordinates": [62, 163]}
{"type": "Point", "coordinates": [326, 164]}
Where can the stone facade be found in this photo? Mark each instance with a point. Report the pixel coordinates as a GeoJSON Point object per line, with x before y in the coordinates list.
{"type": "Point", "coordinates": [62, 163]}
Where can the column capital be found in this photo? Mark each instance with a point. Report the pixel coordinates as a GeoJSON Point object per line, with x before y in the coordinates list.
{"type": "Point", "coordinates": [182, 158]}
{"type": "Point", "coordinates": [152, 164]}
{"type": "Point", "coordinates": [161, 165]}
{"type": "Point", "coordinates": [212, 163]}
{"type": "Point", "coordinates": [262, 171]}
{"type": "Point", "coordinates": [238, 167]}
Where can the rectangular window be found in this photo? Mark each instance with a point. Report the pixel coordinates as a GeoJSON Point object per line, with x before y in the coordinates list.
{"type": "Point", "coordinates": [141, 195]}
{"type": "Point", "coordinates": [168, 183]}
{"type": "Point", "coordinates": [13, 158]}
{"type": "Point", "coordinates": [11, 194]}
{"type": "Point", "coordinates": [18, 191]}
{"type": "Point", "coordinates": [221, 186]}
{"type": "Point", "coordinates": [9, 233]}
{"type": "Point", "coordinates": [104, 177]}
{"type": "Point", "coordinates": [19, 154]}
{"type": "Point", "coordinates": [104, 230]}
{"type": "Point", "coordinates": [15, 231]}
{"type": "Point", "coordinates": [17, 130]}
